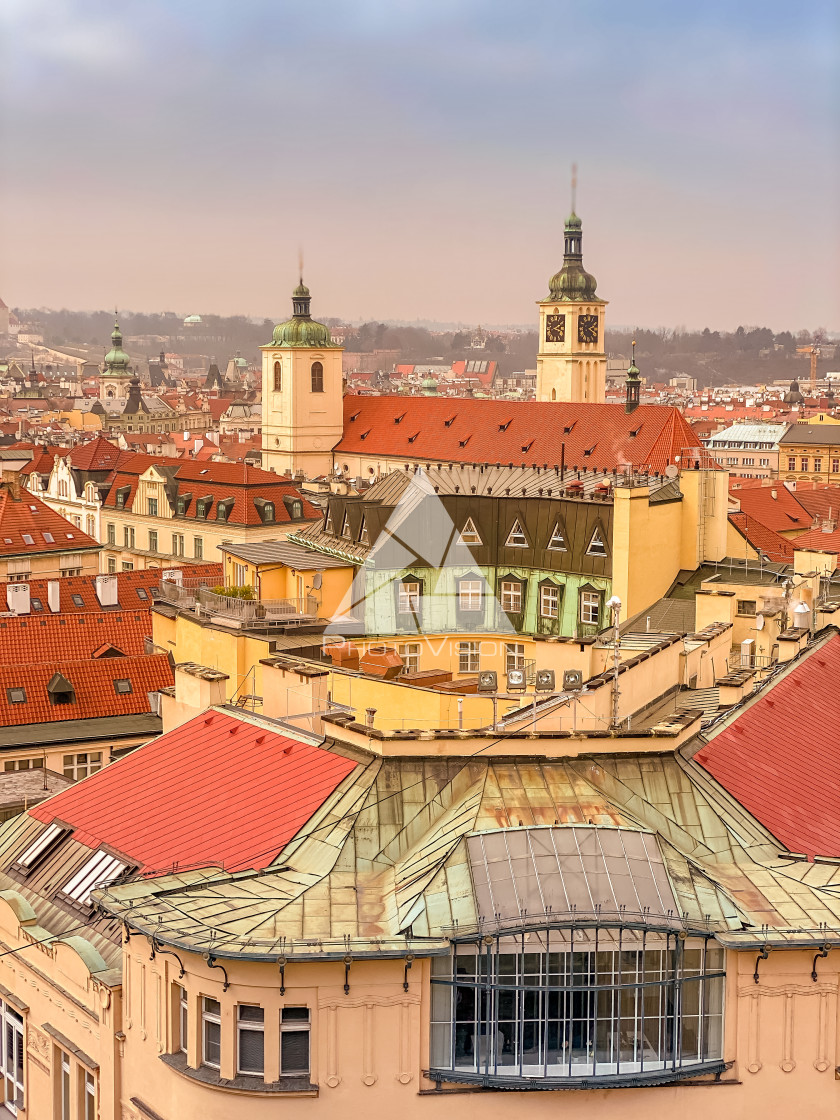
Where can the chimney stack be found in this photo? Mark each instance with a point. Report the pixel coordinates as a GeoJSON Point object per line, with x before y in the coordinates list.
{"type": "Point", "coordinates": [11, 481]}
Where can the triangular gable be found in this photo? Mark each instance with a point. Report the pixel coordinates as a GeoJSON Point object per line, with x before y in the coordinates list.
{"type": "Point", "coordinates": [469, 534]}
{"type": "Point", "coordinates": [597, 545]}
{"type": "Point", "coordinates": [516, 537]}
{"type": "Point", "coordinates": [557, 542]}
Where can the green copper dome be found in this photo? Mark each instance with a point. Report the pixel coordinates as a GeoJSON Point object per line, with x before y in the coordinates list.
{"type": "Point", "coordinates": [116, 360]}
{"type": "Point", "coordinates": [633, 372]}
{"type": "Point", "coordinates": [572, 282]}
{"type": "Point", "coordinates": [302, 330]}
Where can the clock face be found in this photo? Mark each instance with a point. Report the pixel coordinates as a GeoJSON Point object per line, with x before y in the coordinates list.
{"type": "Point", "coordinates": [587, 328]}
{"type": "Point", "coordinates": [555, 328]}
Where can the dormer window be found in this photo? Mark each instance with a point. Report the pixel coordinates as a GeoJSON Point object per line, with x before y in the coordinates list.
{"type": "Point", "coordinates": [294, 507]}
{"type": "Point", "coordinates": [469, 534]}
{"type": "Point", "coordinates": [345, 527]}
{"type": "Point", "coordinates": [558, 539]}
{"type": "Point", "coordinates": [224, 509]}
{"type": "Point", "coordinates": [363, 533]}
{"type": "Point", "coordinates": [122, 496]}
{"type": "Point", "coordinates": [516, 537]}
{"type": "Point", "coordinates": [60, 690]}
{"type": "Point", "coordinates": [596, 544]}
{"type": "Point", "coordinates": [182, 503]}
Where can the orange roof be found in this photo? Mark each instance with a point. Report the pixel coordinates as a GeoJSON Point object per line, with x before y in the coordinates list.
{"type": "Point", "coordinates": [819, 540]}
{"type": "Point", "coordinates": [28, 527]}
{"type": "Point", "coordinates": [819, 500]}
{"type": "Point", "coordinates": [532, 432]}
{"type": "Point", "coordinates": [95, 691]}
{"type": "Point", "coordinates": [769, 543]}
{"type": "Point", "coordinates": [38, 637]}
{"type": "Point", "coordinates": [774, 506]}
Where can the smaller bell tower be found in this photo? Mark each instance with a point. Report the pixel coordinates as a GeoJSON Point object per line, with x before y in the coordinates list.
{"type": "Point", "coordinates": [302, 393]}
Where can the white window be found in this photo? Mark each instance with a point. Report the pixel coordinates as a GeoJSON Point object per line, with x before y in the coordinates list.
{"type": "Point", "coordinates": [30, 856]}
{"type": "Point", "coordinates": [177, 544]}
{"type": "Point", "coordinates": [764, 462]}
{"type": "Point", "coordinates": [90, 1096]}
{"type": "Point", "coordinates": [596, 545]}
{"type": "Point", "coordinates": [250, 1038]}
{"type": "Point", "coordinates": [469, 534]}
{"type": "Point", "coordinates": [409, 598]}
{"type": "Point", "coordinates": [516, 537]}
{"type": "Point", "coordinates": [11, 1056]}
{"type": "Point", "coordinates": [514, 656]}
{"type": "Point", "coordinates": [78, 766]}
{"type": "Point", "coordinates": [512, 596]}
{"type": "Point", "coordinates": [749, 461]}
{"type": "Point", "coordinates": [363, 533]}
{"type": "Point", "coordinates": [294, 1042]}
{"type": "Point", "coordinates": [549, 601]}
{"type": "Point", "coordinates": [410, 653]}
{"type": "Point", "coordinates": [183, 1018]}
{"type": "Point", "coordinates": [590, 607]}
{"type": "Point", "coordinates": [64, 1074]}
{"type": "Point", "coordinates": [469, 595]}
{"type": "Point", "coordinates": [100, 868]}
{"type": "Point", "coordinates": [211, 1032]}
{"type": "Point", "coordinates": [345, 526]}
{"type": "Point", "coordinates": [558, 540]}
{"type": "Point", "coordinates": [468, 657]}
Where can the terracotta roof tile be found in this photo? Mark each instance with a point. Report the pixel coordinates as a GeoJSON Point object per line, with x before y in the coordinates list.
{"type": "Point", "coordinates": [215, 790]}
{"type": "Point", "coordinates": [774, 506]}
{"type": "Point", "coordinates": [28, 527]}
{"type": "Point", "coordinates": [489, 431]}
{"type": "Point", "coordinates": [780, 756]}
{"type": "Point", "coordinates": [96, 695]}
{"type": "Point", "coordinates": [39, 637]}
{"type": "Point", "coordinates": [768, 542]}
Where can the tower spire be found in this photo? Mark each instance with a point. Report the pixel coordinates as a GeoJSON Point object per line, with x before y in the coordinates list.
{"type": "Point", "coordinates": [633, 382]}
{"type": "Point", "coordinates": [574, 186]}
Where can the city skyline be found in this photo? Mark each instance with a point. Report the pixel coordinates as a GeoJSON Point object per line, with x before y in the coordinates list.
{"type": "Point", "coordinates": [420, 155]}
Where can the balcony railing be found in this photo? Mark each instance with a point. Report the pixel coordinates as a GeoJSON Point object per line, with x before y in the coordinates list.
{"type": "Point", "coordinates": [247, 613]}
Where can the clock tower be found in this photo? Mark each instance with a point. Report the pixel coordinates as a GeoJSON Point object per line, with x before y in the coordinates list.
{"type": "Point", "coordinates": [571, 363]}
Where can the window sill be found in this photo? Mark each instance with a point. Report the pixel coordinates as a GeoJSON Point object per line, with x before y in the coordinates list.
{"type": "Point", "coordinates": [710, 1069]}
{"type": "Point", "coordinates": [289, 1086]}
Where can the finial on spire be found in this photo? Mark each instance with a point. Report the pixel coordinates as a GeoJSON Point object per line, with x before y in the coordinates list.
{"type": "Point", "coordinates": [300, 263]}
{"type": "Point", "coordinates": [633, 359]}
{"type": "Point", "coordinates": [574, 186]}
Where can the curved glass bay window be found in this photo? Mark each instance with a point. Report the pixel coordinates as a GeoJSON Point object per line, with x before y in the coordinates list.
{"type": "Point", "coordinates": [579, 1004]}
{"type": "Point", "coordinates": [581, 968]}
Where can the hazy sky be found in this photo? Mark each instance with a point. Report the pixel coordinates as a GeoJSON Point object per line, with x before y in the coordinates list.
{"type": "Point", "coordinates": [174, 155]}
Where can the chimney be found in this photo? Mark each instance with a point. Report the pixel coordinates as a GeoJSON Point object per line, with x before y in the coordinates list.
{"type": "Point", "coordinates": [54, 595]}
{"type": "Point", "coordinates": [11, 480]}
{"type": "Point", "coordinates": [107, 591]}
{"type": "Point", "coordinates": [17, 597]}
{"type": "Point", "coordinates": [773, 494]}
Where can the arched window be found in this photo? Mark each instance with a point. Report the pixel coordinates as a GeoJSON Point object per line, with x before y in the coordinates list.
{"type": "Point", "coordinates": [317, 377]}
{"type": "Point", "coordinates": [554, 394]}
{"type": "Point", "coordinates": [278, 377]}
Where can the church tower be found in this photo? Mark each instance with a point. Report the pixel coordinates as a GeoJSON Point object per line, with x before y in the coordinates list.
{"type": "Point", "coordinates": [302, 391]}
{"type": "Point", "coordinates": [115, 378]}
{"type": "Point", "coordinates": [571, 363]}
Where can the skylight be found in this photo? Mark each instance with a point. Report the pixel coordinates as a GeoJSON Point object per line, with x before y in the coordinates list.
{"type": "Point", "coordinates": [78, 600]}
{"type": "Point", "coordinates": [122, 686]}
{"type": "Point", "coordinates": [16, 695]}
{"type": "Point", "coordinates": [48, 537]}
{"type": "Point", "coordinates": [28, 538]}
{"type": "Point", "coordinates": [100, 868]}
{"type": "Point", "coordinates": [39, 846]}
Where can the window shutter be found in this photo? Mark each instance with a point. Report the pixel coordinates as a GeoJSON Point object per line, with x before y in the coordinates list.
{"type": "Point", "coordinates": [251, 1051]}
{"type": "Point", "coordinates": [294, 1051]}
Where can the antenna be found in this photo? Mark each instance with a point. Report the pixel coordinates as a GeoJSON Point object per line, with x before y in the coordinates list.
{"type": "Point", "coordinates": [574, 186]}
{"type": "Point", "coordinates": [300, 262]}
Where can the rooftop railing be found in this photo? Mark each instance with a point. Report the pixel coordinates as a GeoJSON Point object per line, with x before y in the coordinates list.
{"type": "Point", "coordinates": [247, 613]}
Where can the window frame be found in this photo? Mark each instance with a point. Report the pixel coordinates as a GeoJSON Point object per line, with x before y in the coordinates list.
{"type": "Point", "coordinates": [210, 1019]}
{"type": "Point", "coordinates": [410, 654]}
{"type": "Point", "coordinates": [316, 377]}
{"type": "Point", "coordinates": [470, 595]}
{"type": "Point", "coordinates": [249, 1026]}
{"type": "Point", "coordinates": [588, 598]}
{"type": "Point", "coordinates": [550, 589]}
{"type": "Point", "coordinates": [469, 657]}
{"type": "Point", "coordinates": [296, 1026]}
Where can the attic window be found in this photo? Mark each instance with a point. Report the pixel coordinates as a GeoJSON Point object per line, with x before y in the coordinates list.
{"type": "Point", "coordinates": [596, 545]}
{"type": "Point", "coordinates": [589, 450]}
{"type": "Point", "coordinates": [78, 600]}
{"type": "Point", "coordinates": [16, 695]}
{"type": "Point", "coordinates": [122, 494]}
{"type": "Point", "coordinates": [48, 537]}
{"type": "Point", "coordinates": [182, 504]}
{"type": "Point", "coordinates": [527, 446]}
{"type": "Point", "coordinates": [469, 534]}
{"type": "Point", "coordinates": [569, 427]}
{"type": "Point", "coordinates": [142, 593]}
{"type": "Point", "coordinates": [504, 427]}
{"type": "Point", "coordinates": [364, 435]}
{"type": "Point", "coordinates": [411, 439]}
{"type": "Point", "coordinates": [39, 847]}
{"type": "Point", "coordinates": [122, 686]}
{"type": "Point", "coordinates": [448, 423]}
{"type": "Point", "coordinates": [558, 540]}
{"type": "Point", "coordinates": [70, 536]}
{"type": "Point", "coordinates": [28, 538]}
{"type": "Point", "coordinates": [36, 604]}
{"type": "Point", "coordinates": [363, 533]}
{"type": "Point", "coordinates": [60, 690]}
{"type": "Point", "coordinates": [202, 507]}
{"type": "Point", "coordinates": [464, 442]}
{"type": "Point", "coordinates": [635, 432]}
{"type": "Point", "coordinates": [101, 868]}
{"type": "Point", "coordinates": [397, 419]}
{"type": "Point", "coordinates": [516, 537]}
{"type": "Point", "coordinates": [345, 527]}
{"type": "Point", "coordinates": [355, 416]}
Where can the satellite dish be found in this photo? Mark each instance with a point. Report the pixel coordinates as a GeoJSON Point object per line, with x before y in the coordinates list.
{"type": "Point", "coordinates": [317, 580]}
{"type": "Point", "coordinates": [671, 471]}
{"type": "Point", "coordinates": [759, 622]}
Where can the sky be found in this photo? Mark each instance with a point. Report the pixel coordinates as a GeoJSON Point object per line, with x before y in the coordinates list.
{"type": "Point", "coordinates": [181, 154]}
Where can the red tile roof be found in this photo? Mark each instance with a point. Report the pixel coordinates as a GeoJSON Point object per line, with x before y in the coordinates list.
{"type": "Point", "coordinates": [819, 501]}
{"type": "Point", "coordinates": [780, 755]}
{"type": "Point", "coordinates": [489, 431]}
{"type": "Point", "coordinates": [818, 540]}
{"type": "Point", "coordinates": [239, 481]}
{"type": "Point", "coordinates": [93, 683]}
{"type": "Point", "coordinates": [84, 588]}
{"type": "Point", "coordinates": [217, 790]}
{"type": "Point", "coordinates": [40, 637]}
{"type": "Point", "coordinates": [774, 506]}
{"type": "Point", "coordinates": [97, 455]}
{"type": "Point", "coordinates": [773, 546]}
{"type": "Point", "coordinates": [26, 515]}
